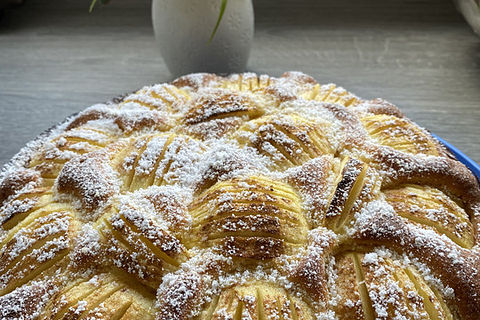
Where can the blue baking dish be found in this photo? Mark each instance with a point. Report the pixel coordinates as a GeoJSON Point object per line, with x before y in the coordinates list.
{"type": "Point", "coordinates": [472, 165]}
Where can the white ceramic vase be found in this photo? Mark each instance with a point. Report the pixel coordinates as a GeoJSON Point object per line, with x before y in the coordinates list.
{"type": "Point", "coordinates": [183, 29]}
{"type": "Point", "coordinates": [471, 11]}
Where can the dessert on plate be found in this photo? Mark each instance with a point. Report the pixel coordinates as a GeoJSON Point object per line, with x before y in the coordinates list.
{"type": "Point", "coordinates": [239, 197]}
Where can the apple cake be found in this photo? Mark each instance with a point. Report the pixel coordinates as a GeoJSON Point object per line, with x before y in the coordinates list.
{"type": "Point", "coordinates": [239, 197]}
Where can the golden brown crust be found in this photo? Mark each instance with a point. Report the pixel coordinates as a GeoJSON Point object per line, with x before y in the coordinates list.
{"type": "Point", "coordinates": [455, 266]}
{"type": "Point", "coordinates": [88, 179]}
{"type": "Point", "coordinates": [239, 197]}
{"type": "Point", "coordinates": [12, 184]}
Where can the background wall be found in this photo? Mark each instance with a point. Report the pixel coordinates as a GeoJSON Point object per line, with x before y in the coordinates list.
{"type": "Point", "coordinates": [56, 59]}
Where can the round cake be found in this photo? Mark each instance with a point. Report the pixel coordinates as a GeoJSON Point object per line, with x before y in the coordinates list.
{"type": "Point", "coordinates": [239, 197]}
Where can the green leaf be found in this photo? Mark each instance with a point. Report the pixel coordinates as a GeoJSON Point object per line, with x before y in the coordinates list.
{"type": "Point", "coordinates": [223, 6]}
{"type": "Point", "coordinates": [92, 4]}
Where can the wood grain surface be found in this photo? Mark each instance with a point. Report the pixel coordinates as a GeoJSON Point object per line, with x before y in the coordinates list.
{"type": "Point", "coordinates": [56, 59]}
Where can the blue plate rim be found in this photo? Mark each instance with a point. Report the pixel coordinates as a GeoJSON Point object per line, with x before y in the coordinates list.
{"type": "Point", "coordinates": [463, 158]}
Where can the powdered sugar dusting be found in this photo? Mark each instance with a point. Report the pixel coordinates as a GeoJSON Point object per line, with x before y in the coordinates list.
{"type": "Point", "coordinates": [237, 197]}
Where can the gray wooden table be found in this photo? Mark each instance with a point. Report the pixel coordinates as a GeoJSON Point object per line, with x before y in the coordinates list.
{"type": "Point", "coordinates": [56, 59]}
